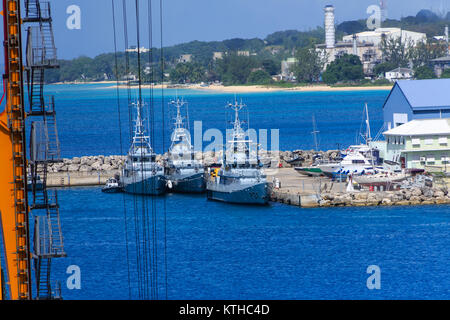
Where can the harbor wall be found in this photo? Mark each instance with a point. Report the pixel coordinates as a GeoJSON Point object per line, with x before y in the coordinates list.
{"type": "Point", "coordinates": [294, 189]}
{"type": "Point", "coordinates": [76, 179]}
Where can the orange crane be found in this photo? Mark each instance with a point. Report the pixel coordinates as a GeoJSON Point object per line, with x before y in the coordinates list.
{"type": "Point", "coordinates": [14, 223]}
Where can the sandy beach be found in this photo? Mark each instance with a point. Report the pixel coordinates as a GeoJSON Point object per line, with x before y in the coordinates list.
{"type": "Point", "coordinates": [258, 88]}
{"type": "Point", "coordinates": [238, 89]}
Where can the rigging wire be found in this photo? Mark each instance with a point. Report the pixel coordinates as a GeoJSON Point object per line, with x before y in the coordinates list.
{"type": "Point", "coordinates": [130, 122]}
{"type": "Point", "coordinates": [121, 144]}
{"type": "Point", "coordinates": [148, 271]}
{"type": "Point", "coordinates": [163, 138]}
{"type": "Point", "coordinates": [152, 129]}
{"type": "Point", "coordinates": [146, 252]}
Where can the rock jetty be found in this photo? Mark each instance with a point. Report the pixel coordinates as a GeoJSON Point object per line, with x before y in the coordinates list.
{"type": "Point", "coordinates": [115, 163]}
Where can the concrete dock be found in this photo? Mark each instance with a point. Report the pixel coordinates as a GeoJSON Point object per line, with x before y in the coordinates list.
{"type": "Point", "coordinates": [78, 179]}
{"type": "Point", "coordinates": [300, 190]}
{"type": "Point", "coordinates": [292, 188]}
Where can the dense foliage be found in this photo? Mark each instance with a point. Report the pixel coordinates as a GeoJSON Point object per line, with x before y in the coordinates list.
{"type": "Point", "coordinates": [345, 68]}
{"type": "Point", "coordinates": [257, 60]}
{"type": "Point", "coordinates": [310, 65]}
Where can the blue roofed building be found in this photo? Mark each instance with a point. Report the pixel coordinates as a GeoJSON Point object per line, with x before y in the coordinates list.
{"type": "Point", "coordinates": [415, 100]}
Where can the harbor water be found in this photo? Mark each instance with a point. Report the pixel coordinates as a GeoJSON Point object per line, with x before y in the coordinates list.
{"type": "Point", "coordinates": [215, 250]}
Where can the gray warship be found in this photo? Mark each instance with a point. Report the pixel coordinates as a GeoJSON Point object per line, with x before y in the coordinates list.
{"type": "Point", "coordinates": [240, 179]}
{"type": "Point", "coordinates": [184, 173]}
{"type": "Point", "coordinates": [141, 173]}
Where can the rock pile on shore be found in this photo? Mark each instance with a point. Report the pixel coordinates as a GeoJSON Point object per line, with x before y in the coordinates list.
{"type": "Point", "coordinates": [115, 163]}
{"type": "Point", "coordinates": [88, 164]}
{"type": "Point", "coordinates": [416, 196]}
{"type": "Point", "coordinates": [305, 157]}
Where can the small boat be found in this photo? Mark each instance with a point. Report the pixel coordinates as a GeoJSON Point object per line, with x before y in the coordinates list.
{"type": "Point", "coordinates": [384, 179]}
{"type": "Point", "coordinates": [353, 164]}
{"type": "Point", "coordinates": [315, 170]}
{"type": "Point", "coordinates": [312, 171]}
{"type": "Point", "coordinates": [38, 184]}
{"type": "Point", "coordinates": [112, 186]}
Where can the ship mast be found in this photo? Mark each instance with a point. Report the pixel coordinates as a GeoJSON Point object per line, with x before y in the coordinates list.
{"type": "Point", "coordinates": [179, 119]}
{"type": "Point", "coordinates": [237, 129]}
{"type": "Point", "coordinates": [315, 132]}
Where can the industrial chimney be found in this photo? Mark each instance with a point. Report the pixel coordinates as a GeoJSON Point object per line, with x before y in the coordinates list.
{"type": "Point", "coordinates": [446, 40]}
{"type": "Point", "coordinates": [330, 37]}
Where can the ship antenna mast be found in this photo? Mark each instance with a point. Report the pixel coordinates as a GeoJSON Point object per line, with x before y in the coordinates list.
{"type": "Point", "coordinates": [315, 132]}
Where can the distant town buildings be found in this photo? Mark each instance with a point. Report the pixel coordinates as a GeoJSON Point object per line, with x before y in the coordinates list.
{"type": "Point", "coordinates": [244, 53]}
{"type": "Point", "coordinates": [399, 74]}
{"type": "Point", "coordinates": [365, 45]}
{"type": "Point", "coordinates": [185, 58]}
{"type": "Point", "coordinates": [440, 65]}
{"type": "Point", "coordinates": [409, 38]}
{"type": "Point", "coordinates": [217, 56]}
{"type": "Point", "coordinates": [130, 77]}
{"type": "Point", "coordinates": [135, 49]}
{"type": "Point", "coordinates": [287, 69]}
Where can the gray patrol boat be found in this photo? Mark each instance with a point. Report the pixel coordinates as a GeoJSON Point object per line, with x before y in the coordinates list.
{"type": "Point", "coordinates": [241, 178]}
{"type": "Point", "coordinates": [142, 174]}
{"type": "Point", "coordinates": [184, 173]}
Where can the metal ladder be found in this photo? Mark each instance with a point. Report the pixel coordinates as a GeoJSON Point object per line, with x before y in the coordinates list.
{"type": "Point", "coordinates": [45, 149]}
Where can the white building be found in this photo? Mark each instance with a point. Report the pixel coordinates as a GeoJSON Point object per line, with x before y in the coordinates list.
{"type": "Point", "coordinates": [135, 49]}
{"type": "Point", "coordinates": [399, 74]}
{"type": "Point", "coordinates": [365, 45]}
{"type": "Point", "coordinates": [185, 58]}
{"type": "Point", "coordinates": [244, 53]}
{"type": "Point", "coordinates": [376, 36]}
{"type": "Point", "coordinates": [287, 67]}
{"type": "Point", "coordinates": [420, 144]}
{"type": "Point", "coordinates": [217, 56]}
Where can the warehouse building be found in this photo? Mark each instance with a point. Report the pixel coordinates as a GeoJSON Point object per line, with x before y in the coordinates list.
{"type": "Point", "coordinates": [417, 99]}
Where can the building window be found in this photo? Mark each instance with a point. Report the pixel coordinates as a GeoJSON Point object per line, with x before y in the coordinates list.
{"type": "Point", "coordinates": [428, 142]}
{"type": "Point", "coordinates": [430, 159]}
{"type": "Point", "coordinates": [415, 142]}
{"type": "Point", "coordinates": [443, 140]}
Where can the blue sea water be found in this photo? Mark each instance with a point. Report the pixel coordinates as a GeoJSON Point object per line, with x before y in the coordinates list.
{"type": "Point", "coordinates": [222, 251]}
{"type": "Point", "coordinates": [219, 251]}
{"type": "Point", "coordinates": [88, 116]}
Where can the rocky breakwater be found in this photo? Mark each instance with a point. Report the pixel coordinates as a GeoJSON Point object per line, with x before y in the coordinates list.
{"type": "Point", "coordinates": [415, 196]}
{"type": "Point", "coordinates": [84, 171]}
{"type": "Point", "coordinates": [88, 164]}
{"type": "Point", "coordinates": [305, 157]}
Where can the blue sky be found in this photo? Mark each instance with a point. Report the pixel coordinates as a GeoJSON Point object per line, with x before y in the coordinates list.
{"type": "Point", "coordinates": [186, 20]}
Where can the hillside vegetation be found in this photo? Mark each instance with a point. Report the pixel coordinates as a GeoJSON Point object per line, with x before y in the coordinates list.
{"type": "Point", "coordinates": [264, 60]}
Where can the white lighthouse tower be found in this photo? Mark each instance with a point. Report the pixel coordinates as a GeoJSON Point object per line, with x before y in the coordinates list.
{"type": "Point", "coordinates": [330, 32]}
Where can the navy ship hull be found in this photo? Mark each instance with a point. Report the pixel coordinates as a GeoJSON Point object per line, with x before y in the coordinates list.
{"type": "Point", "coordinates": [256, 194]}
{"type": "Point", "coordinates": [155, 185]}
{"type": "Point", "coordinates": [191, 184]}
